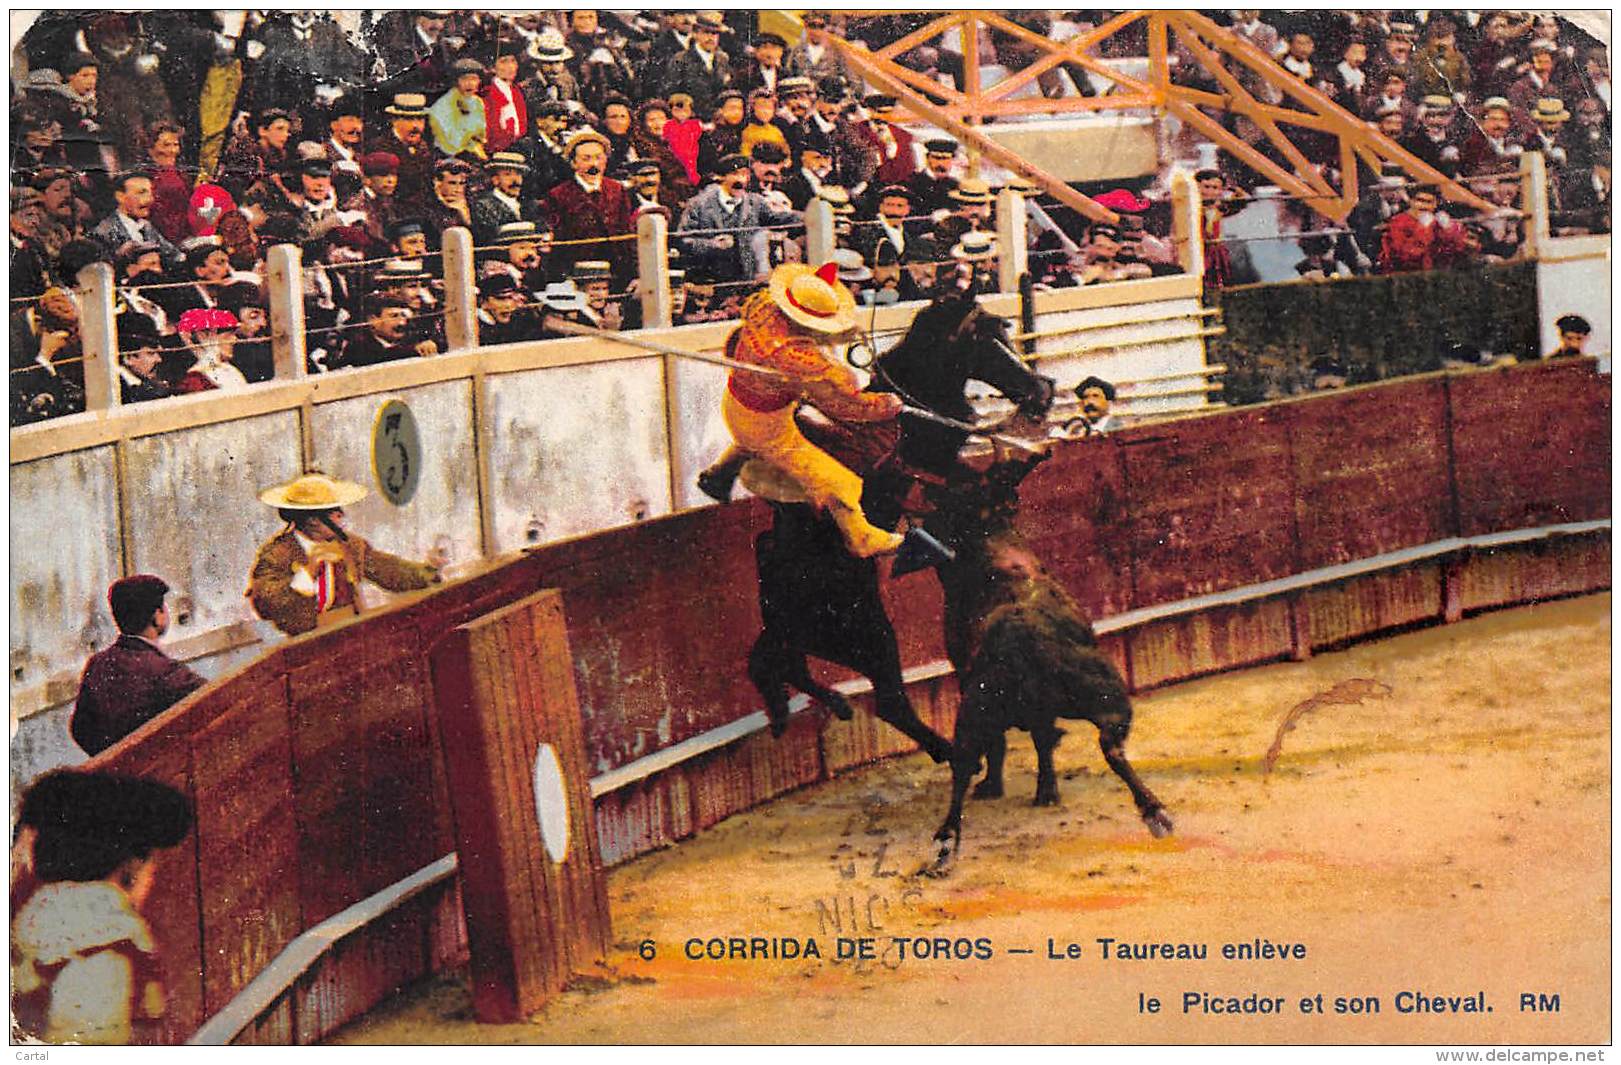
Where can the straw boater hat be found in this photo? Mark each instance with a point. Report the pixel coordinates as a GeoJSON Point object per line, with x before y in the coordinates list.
{"type": "Point", "coordinates": [585, 136]}
{"type": "Point", "coordinates": [852, 267]}
{"type": "Point", "coordinates": [312, 492]}
{"type": "Point", "coordinates": [508, 161]}
{"type": "Point", "coordinates": [562, 296]}
{"type": "Point", "coordinates": [975, 246]}
{"type": "Point", "coordinates": [408, 105]}
{"type": "Point", "coordinates": [971, 190]}
{"type": "Point", "coordinates": [517, 232]}
{"type": "Point", "coordinates": [1550, 110]}
{"type": "Point", "coordinates": [549, 47]}
{"type": "Point", "coordinates": [838, 197]}
{"type": "Point", "coordinates": [813, 297]}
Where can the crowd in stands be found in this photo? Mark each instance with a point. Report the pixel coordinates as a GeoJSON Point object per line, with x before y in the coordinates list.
{"type": "Point", "coordinates": [179, 146]}
{"type": "Point", "coordinates": [1467, 93]}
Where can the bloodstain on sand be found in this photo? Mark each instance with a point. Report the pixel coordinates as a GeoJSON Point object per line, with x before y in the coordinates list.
{"type": "Point", "coordinates": [1449, 836]}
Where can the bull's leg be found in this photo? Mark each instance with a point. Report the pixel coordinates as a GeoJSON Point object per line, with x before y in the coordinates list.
{"type": "Point", "coordinates": [1113, 741]}
{"type": "Point", "coordinates": [995, 752]}
{"type": "Point", "coordinates": [1046, 740]}
{"type": "Point", "coordinates": [964, 764]}
{"type": "Point", "coordinates": [896, 709]}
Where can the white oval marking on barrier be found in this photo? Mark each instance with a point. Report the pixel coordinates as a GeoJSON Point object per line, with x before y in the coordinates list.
{"type": "Point", "coordinates": [551, 803]}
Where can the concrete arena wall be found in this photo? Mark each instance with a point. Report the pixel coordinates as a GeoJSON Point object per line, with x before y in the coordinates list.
{"type": "Point", "coordinates": [524, 445]}
{"type": "Point", "coordinates": [1573, 277]}
{"type": "Point", "coordinates": [315, 771]}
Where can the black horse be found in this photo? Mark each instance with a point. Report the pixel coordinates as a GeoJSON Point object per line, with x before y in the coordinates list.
{"type": "Point", "coordinates": [816, 598]}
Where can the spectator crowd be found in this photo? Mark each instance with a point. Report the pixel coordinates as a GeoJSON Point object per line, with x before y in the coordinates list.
{"type": "Point", "coordinates": [179, 146]}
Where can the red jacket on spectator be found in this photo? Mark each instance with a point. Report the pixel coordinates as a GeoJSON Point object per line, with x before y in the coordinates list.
{"type": "Point", "coordinates": [575, 214]}
{"type": "Point", "coordinates": [171, 199]}
{"type": "Point", "coordinates": [1411, 245]}
{"type": "Point", "coordinates": [501, 133]}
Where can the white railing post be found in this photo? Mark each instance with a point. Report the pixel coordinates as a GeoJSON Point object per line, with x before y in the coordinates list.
{"type": "Point", "coordinates": [98, 332]}
{"type": "Point", "coordinates": [461, 292]}
{"type": "Point", "coordinates": [1534, 202]}
{"type": "Point", "coordinates": [821, 239]}
{"type": "Point", "coordinates": [1185, 228]}
{"type": "Point", "coordinates": [653, 270]}
{"type": "Point", "coordinates": [284, 265]}
{"type": "Point", "coordinates": [1011, 225]}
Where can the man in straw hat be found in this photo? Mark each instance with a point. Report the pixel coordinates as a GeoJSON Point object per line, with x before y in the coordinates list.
{"type": "Point", "coordinates": [504, 200]}
{"type": "Point", "coordinates": [305, 576]}
{"type": "Point", "coordinates": [786, 327]}
{"type": "Point", "coordinates": [406, 140]}
{"type": "Point", "coordinates": [589, 206]}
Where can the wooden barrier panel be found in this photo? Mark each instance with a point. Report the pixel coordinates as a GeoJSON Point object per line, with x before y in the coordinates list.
{"type": "Point", "coordinates": [1372, 472]}
{"type": "Point", "coordinates": [1531, 446]}
{"type": "Point", "coordinates": [535, 896]}
{"type": "Point", "coordinates": [1211, 504]}
{"type": "Point", "coordinates": [173, 909]}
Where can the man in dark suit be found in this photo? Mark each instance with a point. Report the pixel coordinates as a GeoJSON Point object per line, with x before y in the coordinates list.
{"type": "Point", "coordinates": [702, 71]}
{"type": "Point", "coordinates": [932, 186]}
{"type": "Point", "coordinates": [132, 681]}
{"type": "Point", "coordinates": [131, 220]}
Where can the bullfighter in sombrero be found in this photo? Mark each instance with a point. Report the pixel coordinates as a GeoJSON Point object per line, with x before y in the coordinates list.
{"type": "Point", "coordinates": [785, 327]}
{"type": "Point", "coordinates": [305, 577]}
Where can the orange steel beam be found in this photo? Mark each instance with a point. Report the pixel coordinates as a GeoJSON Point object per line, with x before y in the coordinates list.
{"type": "Point", "coordinates": [970, 66]}
{"type": "Point", "coordinates": [1349, 125]}
{"type": "Point", "coordinates": [1210, 45]}
{"type": "Point", "coordinates": [1070, 49]}
{"type": "Point", "coordinates": [877, 73]}
{"type": "Point", "coordinates": [927, 33]}
{"type": "Point", "coordinates": [1068, 53]}
{"type": "Point", "coordinates": [1243, 102]}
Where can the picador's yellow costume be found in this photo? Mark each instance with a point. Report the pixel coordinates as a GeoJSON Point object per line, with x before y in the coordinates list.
{"type": "Point", "coordinates": [784, 328]}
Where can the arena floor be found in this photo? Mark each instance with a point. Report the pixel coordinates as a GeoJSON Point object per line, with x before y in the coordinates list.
{"type": "Point", "coordinates": [1437, 822]}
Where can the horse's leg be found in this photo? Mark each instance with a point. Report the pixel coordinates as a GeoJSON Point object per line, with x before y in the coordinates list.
{"type": "Point", "coordinates": [894, 708]}
{"type": "Point", "coordinates": [799, 676]}
{"type": "Point", "coordinates": [771, 665]}
{"type": "Point", "coordinates": [1046, 740]}
{"type": "Point", "coordinates": [1112, 739]}
{"type": "Point", "coordinates": [717, 479]}
{"type": "Point", "coordinates": [995, 752]}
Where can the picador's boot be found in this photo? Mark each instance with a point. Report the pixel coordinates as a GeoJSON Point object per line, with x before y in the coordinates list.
{"type": "Point", "coordinates": [716, 482]}
{"type": "Point", "coordinates": [919, 550]}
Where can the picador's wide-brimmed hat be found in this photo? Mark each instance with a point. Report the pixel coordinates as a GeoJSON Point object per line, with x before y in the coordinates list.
{"type": "Point", "coordinates": [312, 492]}
{"type": "Point", "coordinates": [813, 297]}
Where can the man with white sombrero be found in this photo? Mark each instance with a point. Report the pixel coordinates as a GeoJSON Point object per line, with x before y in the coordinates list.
{"type": "Point", "coordinates": [786, 327]}
{"type": "Point", "coordinates": [305, 576]}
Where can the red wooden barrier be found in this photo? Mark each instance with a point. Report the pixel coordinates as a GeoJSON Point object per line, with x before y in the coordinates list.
{"type": "Point", "coordinates": [536, 903]}
{"type": "Point", "coordinates": [1531, 446]}
{"type": "Point", "coordinates": [1369, 478]}
{"type": "Point", "coordinates": [317, 775]}
{"type": "Point", "coordinates": [1210, 503]}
